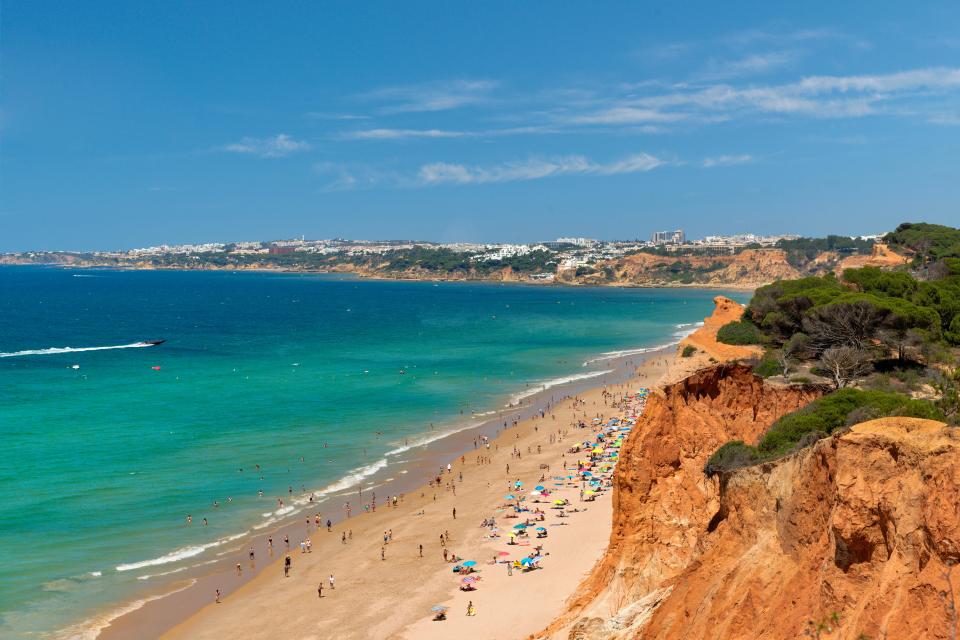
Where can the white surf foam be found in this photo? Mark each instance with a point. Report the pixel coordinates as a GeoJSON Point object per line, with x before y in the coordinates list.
{"type": "Point", "coordinates": [53, 350]}
{"type": "Point", "coordinates": [433, 437]}
{"type": "Point", "coordinates": [353, 478]}
{"type": "Point", "coordinates": [526, 393]}
{"type": "Point", "coordinates": [180, 554]}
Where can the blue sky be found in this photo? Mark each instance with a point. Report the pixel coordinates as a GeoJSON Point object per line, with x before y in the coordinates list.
{"type": "Point", "coordinates": [130, 123]}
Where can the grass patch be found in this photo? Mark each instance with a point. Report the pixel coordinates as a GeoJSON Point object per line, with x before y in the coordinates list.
{"type": "Point", "coordinates": [688, 351]}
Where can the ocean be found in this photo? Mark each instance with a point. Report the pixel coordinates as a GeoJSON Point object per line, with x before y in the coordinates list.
{"type": "Point", "coordinates": [280, 383]}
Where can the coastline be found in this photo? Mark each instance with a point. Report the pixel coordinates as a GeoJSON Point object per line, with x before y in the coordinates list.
{"type": "Point", "coordinates": [159, 608]}
{"type": "Point", "coordinates": [728, 286]}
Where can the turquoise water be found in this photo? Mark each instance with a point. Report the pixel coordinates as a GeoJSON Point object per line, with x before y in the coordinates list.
{"type": "Point", "coordinates": [105, 455]}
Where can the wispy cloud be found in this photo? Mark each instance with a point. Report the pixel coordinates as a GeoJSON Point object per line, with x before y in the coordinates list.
{"type": "Point", "coordinates": [348, 177]}
{"type": "Point", "coordinates": [624, 115]}
{"type": "Point", "coordinates": [750, 65]}
{"type": "Point", "coordinates": [439, 173]}
{"type": "Point", "coordinates": [440, 96]}
{"type": "Point", "coordinates": [322, 115]}
{"type": "Point", "coordinates": [407, 134]}
{"type": "Point", "coordinates": [726, 161]}
{"type": "Point", "coordinates": [272, 147]}
{"type": "Point", "coordinates": [400, 134]}
{"type": "Point", "coordinates": [814, 96]}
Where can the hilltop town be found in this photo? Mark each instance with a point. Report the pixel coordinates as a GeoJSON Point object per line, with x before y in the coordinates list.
{"type": "Point", "coordinates": [668, 258]}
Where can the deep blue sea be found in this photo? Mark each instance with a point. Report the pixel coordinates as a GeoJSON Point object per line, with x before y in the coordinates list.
{"type": "Point", "coordinates": [108, 450]}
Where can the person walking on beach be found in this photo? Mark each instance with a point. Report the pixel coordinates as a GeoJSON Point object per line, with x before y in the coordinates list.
{"type": "Point", "coordinates": [454, 513]}
{"type": "Point", "coordinates": [383, 553]}
{"type": "Point", "coordinates": [320, 590]}
{"type": "Point", "coordinates": [331, 581]}
{"type": "Point", "coordinates": [343, 538]}
{"type": "Point", "coordinates": [421, 551]}
{"type": "Point", "coordinates": [218, 596]}
{"type": "Point", "coordinates": [471, 610]}
{"type": "Point", "coordinates": [286, 566]}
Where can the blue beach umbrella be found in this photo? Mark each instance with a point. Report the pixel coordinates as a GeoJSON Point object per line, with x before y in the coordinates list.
{"type": "Point", "coordinates": [541, 528]}
{"type": "Point", "coordinates": [527, 561]}
{"type": "Point", "coordinates": [509, 496]}
{"type": "Point", "coordinates": [520, 526]}
{"type": "Point", "coordinates": [470, 563]}
{"type": "Point", "coordinates": [539, 487]}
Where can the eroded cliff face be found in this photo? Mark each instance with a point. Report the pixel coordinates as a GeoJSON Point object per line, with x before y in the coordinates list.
{"type": "Point", "coordinates": [857, 531]}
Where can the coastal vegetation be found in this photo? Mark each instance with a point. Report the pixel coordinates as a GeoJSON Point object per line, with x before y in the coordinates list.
{"type": "Point", "coordinates": [885, 341]}
{"type": "Point", "coordinates": [818, 420]}
{"type": "Point", "coordinates": [740, 332]}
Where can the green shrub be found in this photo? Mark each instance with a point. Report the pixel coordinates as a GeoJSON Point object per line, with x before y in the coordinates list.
{"type": "Point", "coordinates": [739, 332]}
{"type": "Point", "coordinates": [820, 417]}
{"type": "Point", "coordinates": [801, 379]}
{"type": "Point", "coordinates": [732, 455]}
{"type": "Point", "coordinates": [767, 367]}
{"type": "Point", "coordinates": [688, 351]}
{"type": "Point", "coordinates": [830, 412]}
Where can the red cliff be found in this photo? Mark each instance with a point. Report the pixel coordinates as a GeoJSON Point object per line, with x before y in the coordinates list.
{"type": "Point", "coordinates": [852, 537]}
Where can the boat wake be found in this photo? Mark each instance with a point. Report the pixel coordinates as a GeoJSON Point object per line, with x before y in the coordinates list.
{"type": "Point", "coordinates": [54, 350]}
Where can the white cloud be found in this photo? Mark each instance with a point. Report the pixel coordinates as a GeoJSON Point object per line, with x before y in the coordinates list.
{"type": "Point", "coordinates": [272, 147]}
{"type": "Point", "coordinates": [726, 161]}
{"type": "Point", "coordinates": [751, 65]}
{"type": "Point", "coordinates": [438, 173]}
{"type": "Point", "coordinates": [322, 115]}
{"type": "Point", "coordinates": [399, 134]}
{"type": "Point", "coordinates": [930, 78]}
{"type": "Point", "coordinates": [625, 115]}
{"type": "Point", "coordinates": [406, 134]}
{"type": "Point", "coordinates": [432, 97]}
{"type": "Point", "coordinates": [814, 96]}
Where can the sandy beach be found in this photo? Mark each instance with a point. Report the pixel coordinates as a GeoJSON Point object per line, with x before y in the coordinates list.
{"type": "Point", "coordinates": [391, 595]}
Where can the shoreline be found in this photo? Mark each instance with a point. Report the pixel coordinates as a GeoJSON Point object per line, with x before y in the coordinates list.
{"type": "Point", "coordinates": [182, 596]}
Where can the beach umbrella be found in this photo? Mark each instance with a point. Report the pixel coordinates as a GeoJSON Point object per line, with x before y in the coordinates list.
{"type": "Point", "coordinates": [509, 496]}
{"type": "Point", "coordinates": [468, 580]}
{"type": "Point", "coordinates": [527, 561]}
{"type": "Point", "coordinates": [439, 607]}
{"type": "Point", "coordinates": [512, 534]}
{"type": "Point", "coordinates": [470, 563]}
{"type": "Point", "coordinates": [541, 528]}
{"type": "Point", "coordinates": [587, 474]}
{"type": "Point", "coordinates": [535, 494]}
{"type": "Point", "coordinates": [520, 526]}
{"type": "Point", "coordinates": [559, 502]}
{"type": "Point", "coordinates": [589, 492]}
{"type": "Point", "coordinates": [503, 553]}
{"type": "Point", "coordinates": [539, 487]}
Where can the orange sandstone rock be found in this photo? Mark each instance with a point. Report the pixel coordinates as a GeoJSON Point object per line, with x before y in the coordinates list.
{"type": "Point", "coordinates": [705, 338]}
{"type": "Point", "coordinates": [859, 530]}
